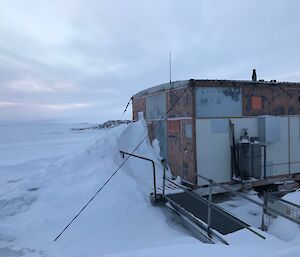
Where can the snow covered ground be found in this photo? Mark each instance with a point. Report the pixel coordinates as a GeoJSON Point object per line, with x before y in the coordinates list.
{"type": "Point", "coordinates": [48, 172]}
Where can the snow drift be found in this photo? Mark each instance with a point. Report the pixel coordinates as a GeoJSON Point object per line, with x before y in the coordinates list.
{"type": "Point", "coordinates": [42, 204]}
{"type": "Point", "coordinates": [284, 229]}
{"type": "Point", "coordinates": [40, 196]}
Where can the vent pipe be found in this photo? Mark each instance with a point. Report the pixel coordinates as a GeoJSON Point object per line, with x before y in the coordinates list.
{"type": "Point", "coordinates": [254, 76]}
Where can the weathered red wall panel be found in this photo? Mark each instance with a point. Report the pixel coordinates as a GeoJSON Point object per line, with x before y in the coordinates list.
{"type": "Point", "coordinates": [181, 149]}
{"type": "Point", "coordinates": [183, 107]}
{"type": "Point", "coordinates": [138, 105]}
{"type": "Point", "coordinates": [258, 98]}
{"type": "Point", "coordinates": [188, 147]}
{"type": "Point", "coordinates": [174, 147]}
{"type": "Point", "coordinates": [276, 100]}
{"type": "Point", "coordinates": [151, 135]}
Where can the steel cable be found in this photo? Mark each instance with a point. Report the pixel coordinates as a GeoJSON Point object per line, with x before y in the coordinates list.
{"type": "Point", "coordinates": [119, 167]}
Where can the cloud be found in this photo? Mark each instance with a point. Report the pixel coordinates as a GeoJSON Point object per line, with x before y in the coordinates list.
{"type": "Point", "coordinates": [36, 87]}
{"type": "Point", "coordinates": [290, 76]}
{"type": "Point", "coordinates": [8, 104]}
{"type": "Point", "coordinates": [70, 106]}
{"type": "Point", "coordinates": [57, 53]}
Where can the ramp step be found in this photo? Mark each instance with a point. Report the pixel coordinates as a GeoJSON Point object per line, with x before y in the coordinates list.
{"type": "Point", "coordinates": [219, 221]}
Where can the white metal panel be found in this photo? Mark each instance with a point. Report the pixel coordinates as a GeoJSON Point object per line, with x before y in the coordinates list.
{"type": "Point", "coordinates": [278, 152]}
{"type": "Point", "coordinates": [248, 123]}
{"type": "Point", "coordinates": [213, 152]}
{"type": "Point", "coordinates": [269, 128]}
{"type": "Point", "coordinates": [295, 144]}
{"type": "Point", "coordinates": [213, 147]}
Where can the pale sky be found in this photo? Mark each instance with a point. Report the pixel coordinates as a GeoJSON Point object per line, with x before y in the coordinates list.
{"type": "Point", "coordinates": [81, 60]}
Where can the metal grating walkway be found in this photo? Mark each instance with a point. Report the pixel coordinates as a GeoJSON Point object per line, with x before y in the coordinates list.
{"type": "Point", "coordinates": [199, 208]}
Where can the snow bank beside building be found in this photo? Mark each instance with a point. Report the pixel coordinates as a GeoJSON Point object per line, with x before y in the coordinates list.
{"type": "Point", "coordinates": [120, 217]}
{"type": "Point", "coordinates": [37, 201]}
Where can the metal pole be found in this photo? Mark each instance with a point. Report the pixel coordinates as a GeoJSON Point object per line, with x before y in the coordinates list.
{"type": "Point", "coordinates": [209, 209]}
{"type": "Point", "coordinates": [241, 165]}
{"type": "Point", "coordinates": [154, 180]}
{"type": "Point", "coordinates": [164, 176]}
{"type": "Point", "coordinates": [289, 142]}
{"type": "Point", "coordinates": [170, 66]}
{"type": "Point", "coordinates": [153, 167]}
{"type": "Point", "coordinates": [265, 161]}
{"type": "Point", "coordinates": [263, 225]}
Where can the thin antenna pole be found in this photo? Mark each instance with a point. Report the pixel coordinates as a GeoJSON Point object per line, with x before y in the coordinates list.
{"type": "Point", "coordinates": [170, 66]}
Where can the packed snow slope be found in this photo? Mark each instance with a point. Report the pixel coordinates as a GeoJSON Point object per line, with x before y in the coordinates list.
{"type": "Point", "coordinates": [37, 205]}
{"type": "Point", "coordinates": [47, 173]}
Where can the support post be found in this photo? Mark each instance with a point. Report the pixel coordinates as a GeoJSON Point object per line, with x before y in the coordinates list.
{"type": "Point", "coordinates": [263, 224]}
{"type": "Point", "coordinates": [241, 169]}
{"type": "Point", "coordinates": [164, 176]}
{"type": "Point", "coordinates": [265, 161]}
{"type": "Point", "coordinates": [153, 168]}
{"type": "Point", "coordinates": [209, 209]}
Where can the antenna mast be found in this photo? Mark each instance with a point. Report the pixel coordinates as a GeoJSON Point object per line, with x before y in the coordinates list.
{"type": "Point", "coordinates": [170, 66]}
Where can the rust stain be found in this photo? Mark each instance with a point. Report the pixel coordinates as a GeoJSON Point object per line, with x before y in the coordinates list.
{"type": "Point", "coordinates": [188, 168]}
{"type": "Point", "coordinates": [275, 100]}
{"type": "Point", "coordinates": [174, 147]}
{"type": "Point", "coordinates": [183, 107]}
{"type": "Point", "coordinates": [181, 150]}
{"type": "Point", "coordinates": [234, 93]}
{"type": "Point", "coordinates": [174, 127]}
{"type": "Point", "coordinates": [138, 105]}
{"type": "Point", "coordinates": [256, 102]}
{"type": "Point", "coordinates": [257, 99]}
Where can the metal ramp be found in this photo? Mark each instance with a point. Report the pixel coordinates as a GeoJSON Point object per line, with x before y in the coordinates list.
{"type": "Point", "coordinates": [210, 221]}
{"type": "Point", "coordinates": [199, 209]}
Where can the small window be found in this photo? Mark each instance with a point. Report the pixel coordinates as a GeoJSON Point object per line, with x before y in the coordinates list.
{"type": "Point", "coordinates": [188, 130]}
{"type": "Point", "coordinates": [256, 102]}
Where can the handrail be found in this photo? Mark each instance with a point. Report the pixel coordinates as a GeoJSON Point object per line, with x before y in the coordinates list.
{"type": "Point", "coordinates": [212, 205]}
{"type": "Point", "coordinates": [289, 208]}
{"type": "Point", "coordinates": [146, 159]}
{"type": "Point", "coordinates": [202, 224]}
{"type": "Point", "coordinates": [284, 201]}
{"type": "Point", "coordinates": [251, 200]}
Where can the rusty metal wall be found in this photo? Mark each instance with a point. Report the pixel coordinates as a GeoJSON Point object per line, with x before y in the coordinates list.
{"type": "Point", "coordinates": [181, 143]}
{"type": "Point", "coordinates": [183, 106]}
{"type": "Point", "coordinates": [160, 133]}
{"type": "Point", "coordinates": [175, 136]}
{"type": "Point", "coordinates": [225, 98]}
{"type": "Point", "coordinates": [218, 102]}
{"type": "Point", "coordinates": [174, 147]}
{"type": "Point", "coordinates": [275, 100]}
{"type": "Point", "coordinates": [155, 106]}
{"type": "Point", "coordinates": [207, 99]}
{"type": "Point", "coordinates": [188, 147]}
{"type": "Point", "coordinates": [181, 147]}
{"type": "Point", "coordinates": [138, 105]}
{"type": "Point", "coordinates": [158, 130]}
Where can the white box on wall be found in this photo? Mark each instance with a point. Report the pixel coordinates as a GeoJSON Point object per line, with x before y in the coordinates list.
{"type": "Point", "coordinates": [269, 129]}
